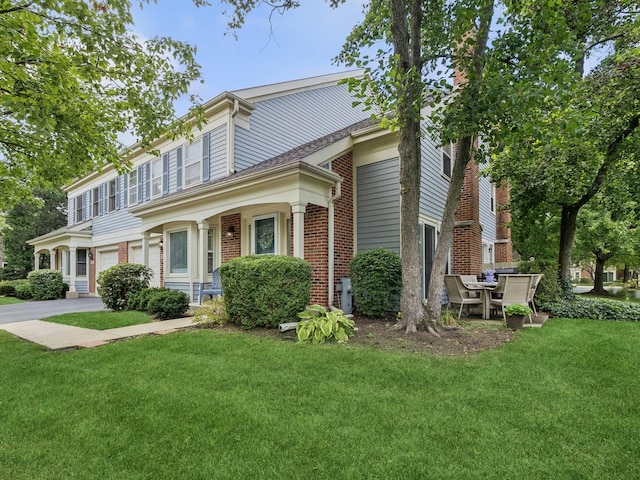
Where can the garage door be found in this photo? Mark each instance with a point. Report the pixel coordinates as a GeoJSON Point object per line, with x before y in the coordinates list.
{"type": "Point", "coordinates": [106, 260]}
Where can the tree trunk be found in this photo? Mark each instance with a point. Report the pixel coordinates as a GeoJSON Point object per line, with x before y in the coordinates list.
{"type": "Point", "coordinates": [445, 237]}
{"type": "Point", "coordinates": [567, 234]}
{"type": "Point", "coordinates": [625, 274]}
{"type": "Point", "coordinates": [598, 281]}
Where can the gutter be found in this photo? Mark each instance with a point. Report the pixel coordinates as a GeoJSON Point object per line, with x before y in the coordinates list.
{"type": "Point", "coordinates": [331, 249]}
{"type": "Point", "coordinates": [231, 137]}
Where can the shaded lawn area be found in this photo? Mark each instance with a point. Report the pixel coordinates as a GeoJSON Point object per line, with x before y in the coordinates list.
{"type": "Point", "coordinates": [101, 320]}
{"type": "Point", "coordinates": [9, 300]}
{"type": "Point", "coordinates": [556, 402]}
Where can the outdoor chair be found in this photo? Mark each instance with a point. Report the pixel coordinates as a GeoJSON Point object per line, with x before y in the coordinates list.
{"type": "Point", "coordinates": [469, 278]}
{"type": "Point", "coordinates": [459, 294]}
{"type": "Point", "coordinates": [535, 280]}
{"type": "Point", "coordinates": [215, 288]}
{"type": "Point", "coordinates": [513, 289]}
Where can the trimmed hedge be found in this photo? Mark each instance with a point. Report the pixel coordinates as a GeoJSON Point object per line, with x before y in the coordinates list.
{"type": "Point", "coordinates": [140, 300]}
{"type": "Point", "coordinates": [46, 284]}
{"type": "Point", "coordinates": [265, 290]}
{"type": "Point", "coordinates": [167, 303]}
{"type": "Point", "coordinates": [593, 308]}
{"type": "Point", "coordinates": [7, 288]}
{"type": "Point", "coordinates": [22, 289]}
{"type": "Point", "coordinates": [116, 284]}
{"type": "Point", "coordinates": [376, 276]}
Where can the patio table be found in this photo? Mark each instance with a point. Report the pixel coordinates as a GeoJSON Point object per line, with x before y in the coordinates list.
{"type": "Point", "coordinates": [485, 289]}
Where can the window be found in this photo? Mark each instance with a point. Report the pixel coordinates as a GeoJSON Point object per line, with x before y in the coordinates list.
{"type": "Point", "coordinates": [210, 251]}
{"type": "Point", "coordinates": [178, 252]}
{"type": "Point", "coordinates": [447, 159]}
{"type": "Point", "coordinates": [81, 262]}
{"type": "Point", "coordinates": [493, 198]}
{"type": "Point", "coordinates": [79, 208]}
{"type": "Point", "coordinates": [112, 195]}
{"type": "Point", "coordinates": [95, 197]}
{"type": "Point", "coordinates": [67, 262]}
{"type": "Point", "coordinates": [133, 187]}
{"type": "Point", "coordinates": [265, 235]}
{"type": "Point", "coordinates": [192, 159]}
{"type": "Point", "coordinates": [487, 253]}
{"type": "Point", "coordinates": [156, 177]}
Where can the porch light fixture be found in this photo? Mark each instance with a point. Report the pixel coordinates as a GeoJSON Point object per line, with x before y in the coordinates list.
{"type": "Point", "coordinates": [90, 255]}
{"type": "Point", "coordinates": [231, 231]}
{"type": "Point", "coordinates": [161, 244]}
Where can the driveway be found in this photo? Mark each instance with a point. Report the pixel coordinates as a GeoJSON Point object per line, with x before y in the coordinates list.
{"type": "Point", "coordinates": [21, 312]}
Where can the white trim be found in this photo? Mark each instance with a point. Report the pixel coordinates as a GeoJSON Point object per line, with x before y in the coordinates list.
{"type": "Point", "coordinates": [276, 232]}
{"type": "Point", "coordinates": [185, 156]}
{"type": "Point", "coordinates": [153, 162]}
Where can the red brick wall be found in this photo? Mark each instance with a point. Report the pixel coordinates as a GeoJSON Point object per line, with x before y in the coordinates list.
{"type": "Point", "coordinates": [123, 252]}
{"type": "Point", "coordinates": [503, 246]}
{"type": "Point", "coordinates": [343, 218]}
{"type": "Point", "coordinates": [467, 235]}
{"type": "Point", "coordinates": [92, 271]}
{"type": "Point", "coordinates": [230, 245]}
{"type": "Point", "coordinates": [316, 251]}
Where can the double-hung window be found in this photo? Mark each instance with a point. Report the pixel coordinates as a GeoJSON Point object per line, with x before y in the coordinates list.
{"type": "Point", "coordinates": [447, 160]}
{"type": "Point", "coordinates": [95, 198]}
{"type": "Point", "coordinates": [210, 250]}
{"type": "Point", "coordinates": [112, 195]}
{"type": "Point", "coordinates": [79, 208]}
{"type": "Point", "coordinates": [493, 198]}
{"type": "Point", "coordinates": [193, 163]}
{"type": "Point", "coordinates": [81, 262]}
{"type": "Point", "coordinates": [156, 177]}
{"type": "Point", "coordinates": [133, 187]}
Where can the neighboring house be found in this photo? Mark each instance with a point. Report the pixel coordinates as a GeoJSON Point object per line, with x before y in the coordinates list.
{"type": "Point", "coordinates": [291, 168]}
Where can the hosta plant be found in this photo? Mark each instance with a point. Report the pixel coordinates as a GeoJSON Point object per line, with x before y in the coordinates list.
{"type": "Point", "coordinates": [318, 325]}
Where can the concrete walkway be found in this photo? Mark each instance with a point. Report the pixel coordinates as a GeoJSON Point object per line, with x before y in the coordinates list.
{"type": "Point", "coordinates": [56, 336]}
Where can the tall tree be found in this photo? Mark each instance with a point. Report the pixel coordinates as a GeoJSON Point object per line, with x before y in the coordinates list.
{"type": "Point", "coordinates": [73, 76]}
{"type": "Point", "coordinates": [27, 219]}
{"type": "Point", "coordinates": [564, 127]}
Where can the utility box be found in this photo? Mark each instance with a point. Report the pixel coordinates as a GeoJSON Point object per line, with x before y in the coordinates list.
{"type": "Point", "coordinates": [346, 298]}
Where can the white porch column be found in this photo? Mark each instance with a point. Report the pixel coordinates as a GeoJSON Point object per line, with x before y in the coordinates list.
{"type": "Point", "coordinates": [145, 248]}
{"type": "Point", "coordinates": [298, 209]}
{"type": "Point", "coordinates": [203, 229]}
{"type": "Point", "coordinates": [52, 259]}
{"type": "Point", "coordinates": [72, 293]}
{"type": "Point", "coordinates": [36, 260]}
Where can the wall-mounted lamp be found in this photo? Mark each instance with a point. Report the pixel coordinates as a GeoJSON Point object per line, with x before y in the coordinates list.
{"type": "Point", "coordinates": [161, 244]}
{"type": "Point", "coordinates": [90, 255]}
{"type": "Point", "coordinates": [231, 231]}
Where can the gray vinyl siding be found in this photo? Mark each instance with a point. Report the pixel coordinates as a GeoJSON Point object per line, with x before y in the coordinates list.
{"type": "Point", "coordinates": [114, 222]}
{"type": "Point", "coordinates": [218, 152]}
{"type": "Point", "coordinates": [487, 218]}
{"type": "Point", "coordinates": [173, 170]}
{"type": "Point", "coordinates": [82, 286]}
{"type": "Point", "coordinates": [180, 286]}
{"type": "Point", "coordinates": [280, 124]}
{"type": "Point", "coordinates": [378, 205]}
{"type": "Point", "coordinates": [433, 185]}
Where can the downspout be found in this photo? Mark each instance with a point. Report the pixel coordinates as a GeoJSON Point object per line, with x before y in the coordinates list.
{"type": "Point", "coordinates": [331, 232]}
{"type": "Point", "coordinates": [231, 137]}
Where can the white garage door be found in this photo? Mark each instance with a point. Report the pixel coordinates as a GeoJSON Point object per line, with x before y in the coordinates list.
{"type": "Point", "coordinates": [154, 264]}
{"type": "Point", "coordinates": [106, 260]}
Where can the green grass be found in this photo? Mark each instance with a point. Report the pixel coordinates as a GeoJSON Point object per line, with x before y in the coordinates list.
{"type": "Point", "coordinates": [558, 402]}
{"type": "Point", "coordinates": [101, 320]}
{"type": "Point", "coordinates": [9, 300]}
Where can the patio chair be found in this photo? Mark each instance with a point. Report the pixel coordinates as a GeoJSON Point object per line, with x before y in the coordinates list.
{"type": "Point", "coordinates": [459, 294]}
{"type": "Point", "coordinates": [514, 289]}
{"type": "Point", "coordinates": [215, 288]}
{"type": "Point", "coordinates": [535, 280]}
{"type": "Point", "coordinates": [469, 278]}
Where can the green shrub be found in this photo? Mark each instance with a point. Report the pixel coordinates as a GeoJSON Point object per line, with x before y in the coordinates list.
{"type": "Point", "coordinates": [23, 289]}
{"type": "Point", "coordinates": [116, 284]}
{"type": "Point", "coordinates": [140, 300]}
{"type": "Point", "coordinates": [593, 308]}
{"type": "Point", "coordinates": [549, 289]}
{"type": "Point", "coordinates": [265, 290]}
{"type": "Point", "coordinates": [166, 304]}
{"type": "Point", "coordinates": [633, 283]}
{"type": "Point", "coordinates": [212, 312]}
{"type": "Point", "coordinates": [7, 289]}
{"type": "Point", "coordinates": [318, 325]}
{"type": "Point", "coordinates": [517, 309]}
{"type": "Point", "coordinates": [46, 284]}
{"type": "Point", "coordinates": [376, 276]}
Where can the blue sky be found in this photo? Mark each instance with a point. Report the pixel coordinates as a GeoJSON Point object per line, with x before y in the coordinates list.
{"type": "Point", "coordinates": [304, 41]}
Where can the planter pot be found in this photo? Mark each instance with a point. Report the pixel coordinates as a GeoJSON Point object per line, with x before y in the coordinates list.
{"type": "Point", "coordinates": [488, 278]}
{"type": "Point", "coordinates": [515, 322]}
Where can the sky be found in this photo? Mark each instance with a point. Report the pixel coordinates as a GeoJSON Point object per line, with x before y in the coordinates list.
{"type": "Point", "coordinates": [303, 43]}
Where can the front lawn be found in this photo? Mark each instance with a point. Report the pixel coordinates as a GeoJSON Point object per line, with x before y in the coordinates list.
{"type": "Point", "coordinates": [9, 300]}
{"type": "Point", "coordinates": [556, 402]}
{"type": "Point", "coordinates": [101, 320]}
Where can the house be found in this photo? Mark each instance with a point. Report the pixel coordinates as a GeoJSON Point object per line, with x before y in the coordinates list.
{"type": "Point", "coordinates": [290, 168]}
